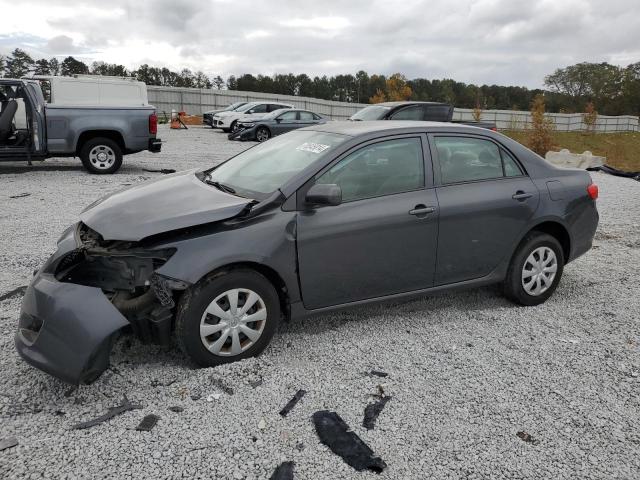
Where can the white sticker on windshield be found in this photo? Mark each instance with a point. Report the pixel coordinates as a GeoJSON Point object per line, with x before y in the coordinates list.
{"type": "Point", "coordinates": [312, 147]}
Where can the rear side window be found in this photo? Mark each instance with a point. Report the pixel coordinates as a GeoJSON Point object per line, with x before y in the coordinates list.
{"type": "Point", "coordinates": [414, 112]}
{"type": "Point", "coordinates": [438, 113]}
{"type": "Point", "coordinates": [306, 116]}
{"type": "Point", "coordinates": [262, 108]}
{"type": "Point", "coordinates": [288, 116]}
{"type": "Point", "coordinates": [511, 167]}
{"type": "Point", "coordinates": [384, 168]}
{"type": "Point", "coordinates": [467, 159]}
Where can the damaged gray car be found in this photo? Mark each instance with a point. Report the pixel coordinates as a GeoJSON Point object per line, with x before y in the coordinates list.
{"type": "Point", "coordinates": [319, 219]}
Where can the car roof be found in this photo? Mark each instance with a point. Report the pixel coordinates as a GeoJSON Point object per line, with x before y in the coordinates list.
{"type": "Point", "coordinates": [396, 104]}
{"type": "Point", "coordinates": [356, 128]}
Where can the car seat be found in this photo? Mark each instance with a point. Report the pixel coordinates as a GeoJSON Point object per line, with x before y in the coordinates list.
{"type": "Point", "coordinates": [6, 120]}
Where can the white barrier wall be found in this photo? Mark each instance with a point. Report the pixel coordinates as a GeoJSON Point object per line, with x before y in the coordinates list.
{"type": "Point", "coordinates": [198, 100]}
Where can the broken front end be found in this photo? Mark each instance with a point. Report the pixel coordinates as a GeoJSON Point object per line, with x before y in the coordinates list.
{"type": "Point", "coordinates": [85, 294]}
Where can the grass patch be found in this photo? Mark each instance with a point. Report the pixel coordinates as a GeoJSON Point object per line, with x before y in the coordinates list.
{"type": "Point", "coordinates": [621, 149]}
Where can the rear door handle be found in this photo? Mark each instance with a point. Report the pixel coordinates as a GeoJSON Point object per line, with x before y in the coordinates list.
{"type": "Point", "coordinates": [422, 210]}
{"type": "Point", "coordinates": [520, 195]}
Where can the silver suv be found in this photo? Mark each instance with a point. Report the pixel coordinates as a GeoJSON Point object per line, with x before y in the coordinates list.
{"type": "Point", "coordinates": [228, 121]}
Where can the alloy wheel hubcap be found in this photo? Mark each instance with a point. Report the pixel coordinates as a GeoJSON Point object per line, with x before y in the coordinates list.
{"type": "Point", "coordinates": [102, 157]}
{"type": "Point", "coordinates": [233, 322]}
{"type": "Point", "coordinates": [262, 135]}
{"type": "Point", "coordinates": [539, 271]}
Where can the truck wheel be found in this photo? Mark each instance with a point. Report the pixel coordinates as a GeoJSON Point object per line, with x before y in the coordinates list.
{"type": "Point", "coordinates": [535, 270]}
{"type": "Point", "coordinates": [227, 317]}
{"type": "Point", "coordinates": [101, 155]}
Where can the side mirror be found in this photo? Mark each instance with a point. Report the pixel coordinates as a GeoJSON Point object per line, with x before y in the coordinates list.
{"type": "Point", "coordinates": [324, 194]}
{"type": "Point", "coordinates": [278, 120]}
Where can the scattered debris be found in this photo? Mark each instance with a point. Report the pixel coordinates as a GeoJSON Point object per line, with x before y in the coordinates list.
{"type": "Point", "coordinates": [284, 471]}
{"type": "Point", "coordinates": [336, 434]}
{"type": "Point", "coordinates": [71, 391]}
{"type": "Point", "coordinates": [20, 195]}
{"type": "Point", "coordinates": [616, 172]}
{"type": "Point", "coordinates": [125, 406]}
{"type": "Point", "coordinates": [372, 411]}
{"type": "Point", "coordinates": [255, 383]}
{"type": "Point", "coordinates": [214, 396]}
{"type": "Point", "coordinates": [299, 446]}
{"type": "Point", "coordinates": [147, 423]}
{"type": "Point", "coordinates": [158, 383]}
{"type": "Point", "coordinates": [161, 170]}
{"type": "Point", "coordinates": [59, 413]}
{"type": "Point", "coordinates": [292, 403]}
{"type": "Point", "coordinates": [262, 424]}
{"type": "Point", "coordinates": [527, 438]}
{"type": "Point", "coordinates": [176, 409]}
{"type": "Point", "coordinates": [222, 386]}
{"type": "Point", "coordinates": [9, 442]}
{"type": "Point", "coordinates": [376, 373]}
{"type": "Point", "coordinates": [195, 397]}
{"type": "Point", "coordinates": [16, 292]}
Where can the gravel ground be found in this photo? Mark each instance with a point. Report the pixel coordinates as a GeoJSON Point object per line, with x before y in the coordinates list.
{"type": "Point", "coordinates": [467, 371]}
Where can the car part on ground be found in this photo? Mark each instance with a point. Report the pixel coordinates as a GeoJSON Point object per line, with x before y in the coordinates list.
{"type": "Point", "coordinates": [616, 172]}
{"type": "Point", "coordinates": [288, 228]}
{"type": "Point", "coordinates": [336, 434]}
{"type": "Point", "coordinates": [292, 403]}
{"type": "Point", "coordinates": [372, 411]}
{"type": "Point", "coordinates": [284, 471]}
{"type": "Point", "coordinates": [125, 406]}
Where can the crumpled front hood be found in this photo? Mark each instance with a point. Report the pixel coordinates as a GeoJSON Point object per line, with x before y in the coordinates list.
{"type": "Point", "coordinates": [170, 203]}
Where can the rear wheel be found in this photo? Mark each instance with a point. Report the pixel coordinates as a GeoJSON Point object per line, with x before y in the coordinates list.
{"type": "Point", "coordinates": [227, 317]}
{"type": "Point", "coordinates": [535, 270]}
{"type": "Point", "coordinates": [101, 155]}
{"type": "Point", "coordinates": [263, 134]}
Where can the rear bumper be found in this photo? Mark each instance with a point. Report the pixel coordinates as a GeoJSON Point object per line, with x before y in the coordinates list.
{"type": "Point", "coordinates": [66, 330]}
{"type": "Point", "coordinates": [155, 145]}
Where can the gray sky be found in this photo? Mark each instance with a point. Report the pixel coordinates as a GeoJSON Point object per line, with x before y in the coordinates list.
{"type": "Point", "coordinates": [507, 42]}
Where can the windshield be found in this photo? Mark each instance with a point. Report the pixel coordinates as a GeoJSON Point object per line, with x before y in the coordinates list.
{"type": "Point", "coordinates": [374, 112]}
{"type": "Point", "coordinates": [234, 106]}
{"type": "Point", "coordinates": [261, 170]}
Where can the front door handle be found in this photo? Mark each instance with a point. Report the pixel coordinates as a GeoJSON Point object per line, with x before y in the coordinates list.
{"type": "Point", "coordinates": [520, 195]}
{"type": "Point", "coordinates": [422, 210]}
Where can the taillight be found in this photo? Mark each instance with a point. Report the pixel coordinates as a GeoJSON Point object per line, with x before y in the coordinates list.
{"type": "Point", "coordinates": [592, 190]}
{"type": "Point", "coordinates": [153, 123]}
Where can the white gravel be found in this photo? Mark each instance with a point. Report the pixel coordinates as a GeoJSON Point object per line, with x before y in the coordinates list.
{"type": "Point", "coordinates": [467, 371]}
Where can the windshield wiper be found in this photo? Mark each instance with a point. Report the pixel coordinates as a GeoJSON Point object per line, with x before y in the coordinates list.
{"type": "Point", "coordinates": [220, 186]}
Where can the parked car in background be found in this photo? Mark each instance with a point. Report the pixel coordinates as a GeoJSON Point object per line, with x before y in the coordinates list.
{"type": "Point", "coordinates": [228, 121]}
{"type": "Point", "coordinates": [418, 111]}
{"type": "Point", "coordinates": [207, 117]}
{"type": "Point", "coordinates": [320, 219]}
{"type": "Point", "coordinates": [275, 123]}
{"type": "Point", "coordinates": [104, 120]}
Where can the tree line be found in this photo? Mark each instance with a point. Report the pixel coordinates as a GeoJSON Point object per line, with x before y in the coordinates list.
{"type": "Point", "coordinates": [611, 89]}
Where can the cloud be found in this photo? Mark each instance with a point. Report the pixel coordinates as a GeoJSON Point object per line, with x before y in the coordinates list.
{"type": "Point", "coordinates": [474, 41]}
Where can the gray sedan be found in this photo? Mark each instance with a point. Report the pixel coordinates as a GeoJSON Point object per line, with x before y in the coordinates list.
{"type": "Point", "coordinates": [320, 219]}
{"type": "Point", "coordinates": [275, 123]}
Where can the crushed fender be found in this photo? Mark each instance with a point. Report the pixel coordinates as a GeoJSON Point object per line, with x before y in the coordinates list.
{"type": "Point", "coordinates": [372, 411]}
{"type": "Point", "coordinates": [284, 471]}
{"type": "Point", "coordinates": [292, 403]}
{"type": "Point", "coordinates": [125, 406]}
{"type": "Point", "coordinates": [147, 423]}
{"type": "Point", "coordinates": [9, 442]}
{"type": "Point", "coordinates": [336, 434]}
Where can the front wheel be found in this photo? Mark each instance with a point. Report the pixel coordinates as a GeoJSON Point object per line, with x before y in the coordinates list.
{"type": "Point", "coordinates": [227, 317]}
{"type": "Point", "coordinates": [263, 134]}
{"type": "Point", "coordinates": [535, 270]}
{"type": "Point", "coordinates": [101, 155]}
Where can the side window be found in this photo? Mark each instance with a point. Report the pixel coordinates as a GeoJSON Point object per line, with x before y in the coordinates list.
{"type": "Point", "coordinates": [384, 168]}
{"type": "Point", "coordinates": [276, 106]}
{"type": "Point", "coordinates": [467, 159]}
{"type": "Point", "coordinates": [288, 116]}
{"type": "Point", "coordinates": [438, 113]}
{"type": "Point", "coordinates": [511, 167]}
{"type": "Point", "coordinates": [261, 108]}
{"type": "Point", "coordinates": [414, 112]}
{"type": "Point", "coordinates": [306, 116]}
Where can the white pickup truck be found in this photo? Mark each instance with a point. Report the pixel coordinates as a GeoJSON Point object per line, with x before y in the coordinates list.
{"type": "Point", "coordinates": [98, 119]}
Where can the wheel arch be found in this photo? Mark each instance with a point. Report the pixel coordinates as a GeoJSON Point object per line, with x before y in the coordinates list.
{"type": "Point", "coordinates": [87, 135]}
{"type": "Point", "coordinates": [557, 230]}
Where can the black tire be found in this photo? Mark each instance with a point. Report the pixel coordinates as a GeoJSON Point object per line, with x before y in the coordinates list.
{"type": "Point", "coordinates": [263, 134]}
{"type": "Point", "coordinates": [90, 156]}
{"type": "Point", "coordinates": [195, 301]}
{"type": "Point", "coordinates": [513, 284]}
{"type": "Point", "coordinates": [234, 126]}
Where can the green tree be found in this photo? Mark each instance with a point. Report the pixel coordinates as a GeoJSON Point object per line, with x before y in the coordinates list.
{"type": "Point", "coordinates": [18, 64]}
{"type": "Point", "coordinates": [218, 82]}
{"type": "Point", "coordinates": [70, 66]}
{"type": "Point", "coordinates": [54, 66]}
{"type": "Point", "coordinates": [42, 67]}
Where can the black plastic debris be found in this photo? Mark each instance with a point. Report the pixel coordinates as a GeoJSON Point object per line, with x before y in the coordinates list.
{"type": "Point", "coordinates": [377, 373]}
{"type": "Point", "coordinates": [527, 438]}
{"type": "Point", "coordinates": [16, 292]}
{"type": "Point", "coordinates": [176, 409]}
{"type": "Point", "coordinates": [222, 386]}
{"type": "Point", "coordinates": [284, 471]}
{"type": "Point", "coordinates": [255, 383]}
{"type": "Point", "coordinates": [125, 406]}
{"type": "Point", "coordinates": [161, 170]}
{"type": "Point", "coordinates": [336, 434]}
{"type": "Point", "coordinates": [8, 442]}
{"type": "Point", "coordinates": [147, 423]}
{"type": "Point", "coordinates": [20, 195]}
{"type": "Point", "coordinates": [372, 411]}
{"type": "Point", "coordinates": [292, 403]}
{"type": "Point", "coordinates": [616, 172]}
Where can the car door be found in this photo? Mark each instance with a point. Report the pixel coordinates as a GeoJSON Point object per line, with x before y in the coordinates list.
{"type": "Point", "coordinates": [286, 122]}
{"type": "Point", "coordinates": [486, 201]}
{"type": "Point", "coordinates": [381, 240]}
